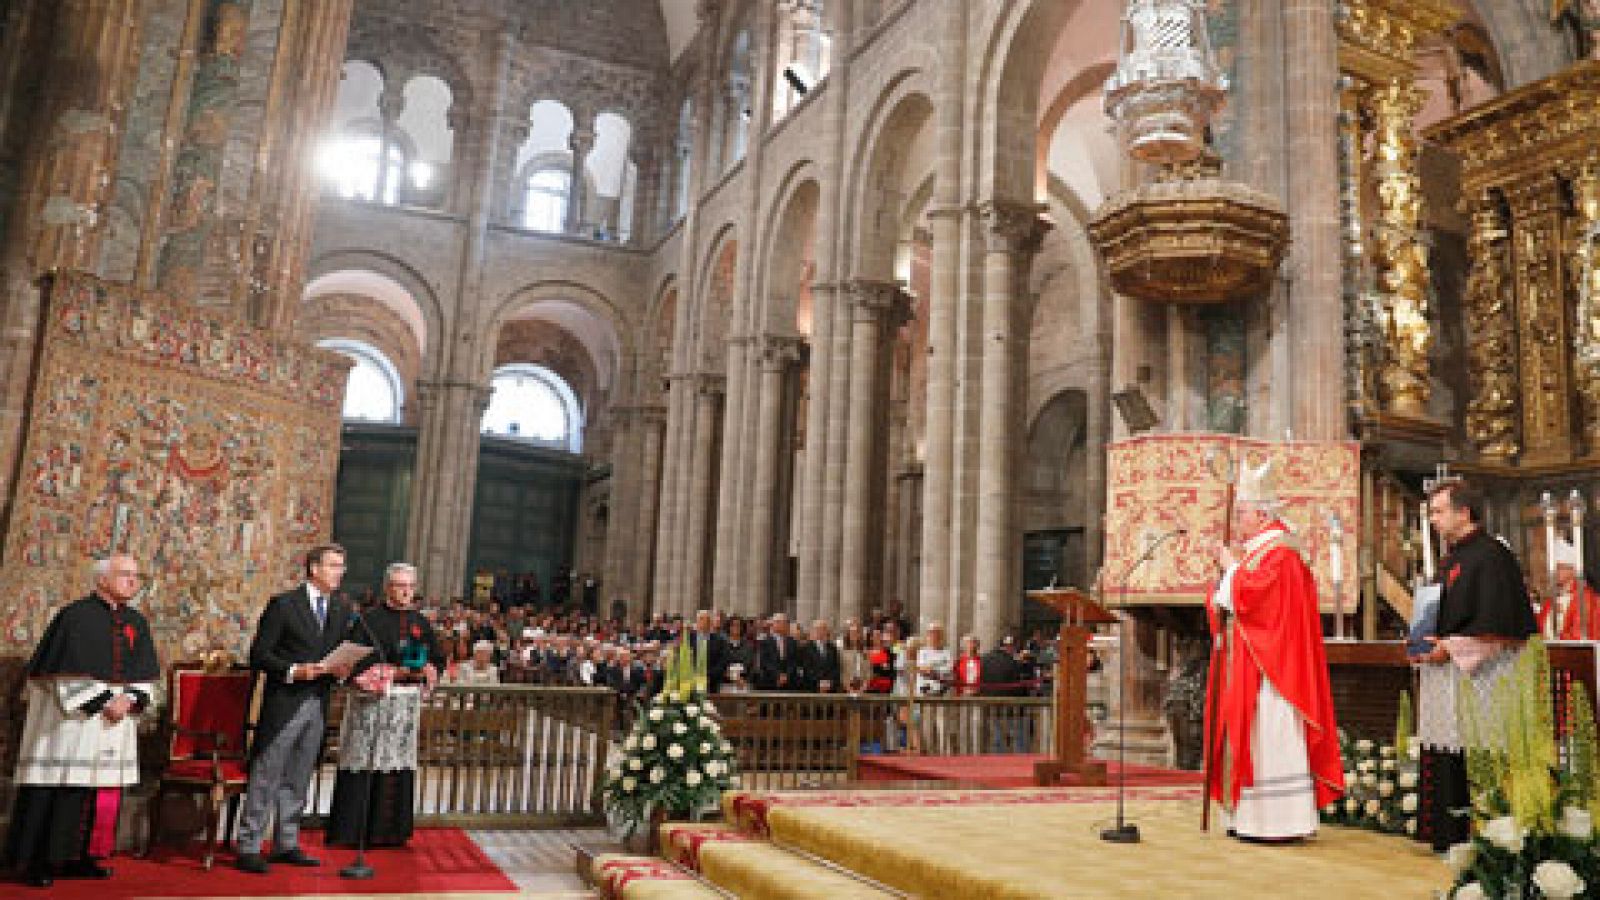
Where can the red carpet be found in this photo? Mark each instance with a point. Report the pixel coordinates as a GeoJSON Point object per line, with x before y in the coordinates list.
{"type": "Point", "coordinates": [999, 771]}
{"type": "Point", "coordinates": [437, 860]}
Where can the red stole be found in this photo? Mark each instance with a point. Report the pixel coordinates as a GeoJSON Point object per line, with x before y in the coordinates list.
{"type": "Point", "coordinates": [1276, 633]}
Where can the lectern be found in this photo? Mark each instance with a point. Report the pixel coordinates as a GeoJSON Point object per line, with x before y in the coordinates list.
{"type": "Point", "coordinates": [1079, 615]}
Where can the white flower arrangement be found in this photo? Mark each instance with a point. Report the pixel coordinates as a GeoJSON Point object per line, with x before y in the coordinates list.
{"type": "Point", "coordinates": [676, 763]}
{"type": "Point", "coordinates": [1469, 891]}
{"type": "Point", "coordinates": [1380, 785]}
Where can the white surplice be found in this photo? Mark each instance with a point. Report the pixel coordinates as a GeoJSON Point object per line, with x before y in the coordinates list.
{"type": "Point", "coordinates": [65, 747]}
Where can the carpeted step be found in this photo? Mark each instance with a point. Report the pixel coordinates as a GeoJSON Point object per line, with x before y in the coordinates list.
{"type": "Point", "coordinates": [754, 869]}
{"type": "Point", "coordinates": [620, 876]}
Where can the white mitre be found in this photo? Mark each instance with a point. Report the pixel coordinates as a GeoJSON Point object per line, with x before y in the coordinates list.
{"type": "Point", "coordinates": [1562, 553]}
{"type": "Point", "coordinates": [1258, 487]}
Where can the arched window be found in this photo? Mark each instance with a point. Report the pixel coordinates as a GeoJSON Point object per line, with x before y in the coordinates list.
{"type": "Point", "coordinates": [373, 392]}
{"type": "Point", "coordinates": [803, 54]}
{"type": "Point", "coordinates": [544, 169]}
{"type": "Point", "coordinates": [425, 121]}
{"type": "Point", "coordinates": [531, 403]}
{"type": "Point", "coordinates": [736, 115]}
{"type": "Point", "coordinates": [609, 208]}
{"type": "Point", "coordinates": [545, 204]}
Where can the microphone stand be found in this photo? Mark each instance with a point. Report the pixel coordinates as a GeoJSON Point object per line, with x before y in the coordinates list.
{"type": "Point", "coordinates": [358, 868]}
{"type": "Point", "coordinates": [1126, 832]}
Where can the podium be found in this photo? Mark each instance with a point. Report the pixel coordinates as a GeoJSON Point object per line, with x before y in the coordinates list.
{"type": "Point", "coordinates": [1079, 615]}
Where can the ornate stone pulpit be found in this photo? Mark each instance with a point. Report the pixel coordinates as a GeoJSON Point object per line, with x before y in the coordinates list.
{"type": "Point", "coordinates": [1079, 615]}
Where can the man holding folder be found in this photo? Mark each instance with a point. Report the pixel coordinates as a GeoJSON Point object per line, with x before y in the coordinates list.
{"type": "Point", "coordinates": [297, 631]}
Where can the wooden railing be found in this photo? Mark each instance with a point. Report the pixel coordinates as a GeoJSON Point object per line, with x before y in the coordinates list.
{"type": "Point", "coordinates": [523, 755]}
{"type": "Point", "coordinates": [813, 740]}
{"type": "Point", "coordinates": [509, 755]}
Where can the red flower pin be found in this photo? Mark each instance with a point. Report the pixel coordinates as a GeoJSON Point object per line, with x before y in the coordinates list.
{"type": "Point", "coordinates": [131, 634]}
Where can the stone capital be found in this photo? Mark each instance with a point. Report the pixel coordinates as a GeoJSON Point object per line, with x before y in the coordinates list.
{"type": "Point", "coordinates": [581, 141]}
{"type": "Point", "coordinates": [1014, 228]}
{"type": "Point", "coordinates": [777, 352]}
{"type": "Point", "coordinates": [390, 104]}
{"type": "Point", "coordinates": [886, 302]}
{"type": "Point", "coordinates": [710, 384]}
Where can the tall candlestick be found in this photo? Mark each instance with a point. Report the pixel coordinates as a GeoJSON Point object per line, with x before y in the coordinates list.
{"type": "Point", "coordinates": [1548, 504]}
{"type": "Point", "coordinates": [1427, 544]}
{"type": "Point", "coordinates": [1336, 564]}
{"type": "Point", "coordinates": [1575, 507]}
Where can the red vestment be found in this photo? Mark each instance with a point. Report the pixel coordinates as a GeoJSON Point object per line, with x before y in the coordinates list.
{"type": "Point", "coordinates": [1275, 632]}
{"type": "Point", "coordinates": [1572, 621]}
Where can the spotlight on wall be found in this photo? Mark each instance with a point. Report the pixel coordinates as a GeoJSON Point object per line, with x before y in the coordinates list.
{"type": "Point", "coordinates": [1135, 410]}
{"type": "Point", "coordinates": [797, 79]}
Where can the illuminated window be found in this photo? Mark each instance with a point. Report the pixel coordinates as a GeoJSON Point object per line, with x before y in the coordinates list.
{"type": "Point", "coordinates": [546, 205]}
{"type": "Point", "coordinates": [372, 393]}
{"type": "Point", "coordinates": [533, 404]}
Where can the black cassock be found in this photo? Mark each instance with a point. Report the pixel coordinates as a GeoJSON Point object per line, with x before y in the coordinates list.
{"type": "Point", "coordinates": [1484, 596]}
{"type": "Point", "coordinates": [53, 820]}
{"type": "Point", "coordinates": [402, 636]}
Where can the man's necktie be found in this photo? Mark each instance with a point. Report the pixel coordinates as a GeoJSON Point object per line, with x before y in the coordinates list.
{"type": "Point", "coordinates": [322, 611]}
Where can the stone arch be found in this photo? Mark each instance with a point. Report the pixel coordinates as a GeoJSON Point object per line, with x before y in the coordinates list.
{"type": "Point", "coordinates": [713, 307]}
{"type": "Point", "coordinates": [402, 56]}
{"type": "Point", "coordinates": [396, 279]}
{"type": "Point", "coordinates": [903, 110]}
{"type": "Point", "coordinates": [790, 224]}
{"type": "Point", "coordinates": [1054, 466]}
{"type": "Point", "coordinates": [1010, 72]}
{"type": "Point", "coordinates": [1529, 48]}
{"type": "Point", "coordinates": [657, 337]}
{"type": "Point", "coordinates": [586, 313]}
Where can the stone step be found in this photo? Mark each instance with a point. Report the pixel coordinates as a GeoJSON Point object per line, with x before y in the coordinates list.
{"type": "Point", "coordinates": [750, 867]}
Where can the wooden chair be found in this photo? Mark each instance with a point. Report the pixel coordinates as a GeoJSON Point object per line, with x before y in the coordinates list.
{"type": "Point", "coordinates": [209, 725]}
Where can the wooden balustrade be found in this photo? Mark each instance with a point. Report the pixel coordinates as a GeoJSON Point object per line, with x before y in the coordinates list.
{"type": "Point", "coordinates": [508, 755]}
{"type": "Point", "coordinates": [788, 741]}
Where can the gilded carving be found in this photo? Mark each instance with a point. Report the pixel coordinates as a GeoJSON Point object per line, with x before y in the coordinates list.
{"type": "Point", "coordinates": [1191, 237]}
{"type": "Point", "coordinates": [1491, 417]}
{"type": "Point", "coordinates": [1400, 260]}
{"type": "Point", "coordinates": [1541, 317]}
{"type": "Point", "coordinates": [1585, 276]}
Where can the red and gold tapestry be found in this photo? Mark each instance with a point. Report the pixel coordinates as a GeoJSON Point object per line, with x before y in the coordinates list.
{"type": "Point", "coordinates": [1160, 483]}
{"type": "Point", "coordinates": [204, 447]}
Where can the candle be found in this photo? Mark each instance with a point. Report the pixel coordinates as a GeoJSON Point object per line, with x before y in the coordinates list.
{"type": "Point", "coordinates": [1549, 505]}
{"type": "Point", "coordinates": [1427, 544]}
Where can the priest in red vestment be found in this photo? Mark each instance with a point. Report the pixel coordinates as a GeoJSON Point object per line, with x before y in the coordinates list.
{"type": "Point", "coordinates": [1560, 618]}
{"type": "Point", "coordinates": [1274, 747]}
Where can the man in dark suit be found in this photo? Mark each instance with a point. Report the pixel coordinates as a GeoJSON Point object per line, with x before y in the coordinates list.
{"type": "Point", "coordinates": [297, 630]}
{"type": "Point", "coordinates": [716, 651]}
{"type": "Point", "coordinates": [819, 660]}
{"type": "Point", "coordinates": [777, 658]}
{"type": "Point", "coordinates": [1001, 675]}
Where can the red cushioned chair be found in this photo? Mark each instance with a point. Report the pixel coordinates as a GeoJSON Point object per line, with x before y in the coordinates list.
{"type": "Point", "coordinates": [209, 731]}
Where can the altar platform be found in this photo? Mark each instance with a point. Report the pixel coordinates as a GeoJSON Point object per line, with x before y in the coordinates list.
{"type": "Point", "coordinates": [1024, 844]}
{"type": "Point", "coordinates": [1006, 770]}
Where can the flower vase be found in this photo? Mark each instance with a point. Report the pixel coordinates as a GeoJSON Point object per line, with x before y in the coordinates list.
{"type": "Point", "coordinates": [642, 841]}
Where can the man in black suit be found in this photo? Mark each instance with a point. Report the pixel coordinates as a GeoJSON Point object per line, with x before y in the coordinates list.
{"type": "Point", "coordinates": [1001, 675]}
{"type": "Point", "coordinates": [819, 660]}
{"type": "Point", "coordinates": [297, 630]}
{"type": "Point", "coordinates": [716, 650]}
{"type": "Point", "coordinates": [777, 658]}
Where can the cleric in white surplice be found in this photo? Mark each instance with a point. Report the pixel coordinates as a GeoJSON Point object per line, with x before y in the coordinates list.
{"type": "Point", "coordinates": [90, 678]}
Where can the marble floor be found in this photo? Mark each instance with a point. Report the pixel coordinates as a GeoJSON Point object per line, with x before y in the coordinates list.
{"type": "Point", "coordinates": [540, 862]}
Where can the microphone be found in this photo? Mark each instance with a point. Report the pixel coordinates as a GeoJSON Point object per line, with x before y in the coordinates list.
{"type": "Point", "coordinates": [1126, 832]}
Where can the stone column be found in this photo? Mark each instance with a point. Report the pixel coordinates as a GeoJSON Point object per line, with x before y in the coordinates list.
{"type": "Point", "coordinates": [1014, 234]}
{"type": "Point", "coordinates": [776, 355]}
{"type": "Point", "coordinates": [643, 556]}
{"type": "Point", "coordinates": [708, 398]}
{"type": "Point", "coordinates": [390, 104]}
{"type": "Point", "coordinates": [277, 221]}
{"type": "Point", "coordinates": [623, 531]}
{"type": "Point", "coordinates": [581, 142]}
{"type": "Point", "coordinates": [64, 182]}
{"type": "Point", "coordinates": [946, 221]}
{"type": "Point", "coordinates": [670, 529]}
{"type": "Point", "coordinates": [1316, 314]}
{"type": "Point", "coordinates": [873, 306]}
{"type": "Point", "coordinates": [444, 483]}
{"type": "Point", "coordinates": [837, 437]}
{"type": "Point", "coordinates": [813, 460]}
{"type": "Point", "coordinates": [731, 482]}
